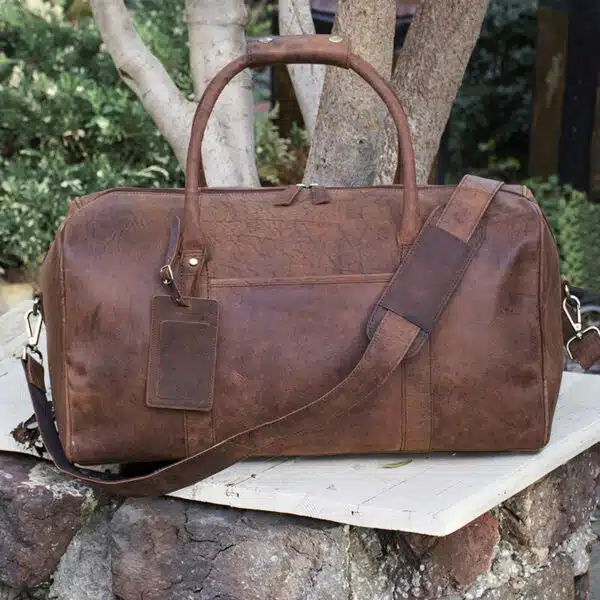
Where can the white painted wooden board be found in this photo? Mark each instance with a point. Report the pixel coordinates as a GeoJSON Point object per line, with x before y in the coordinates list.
{"type": "Point", "coordinates": [15, 405]}
{"type": "Point", "coordinates": [433, 494]}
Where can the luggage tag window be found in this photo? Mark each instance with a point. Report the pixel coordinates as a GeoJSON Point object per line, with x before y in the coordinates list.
{"type": "Point", "coordinates": [183, 349]}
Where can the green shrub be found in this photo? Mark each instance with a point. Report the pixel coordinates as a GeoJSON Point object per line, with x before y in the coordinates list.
{"type": "Point", "coordinates": [491, 117]}
{"type": "Point", "coordinates": [260, 16]}
{"type": "Point", "coordinates": [280, 161]}
{"type": "Point", "coordinates": [551, 197]}
{"type": "Point", "coordinates": [68, 125]}
{"type": "Point", "coordinates": [579, 225]}
{"type": "Point", "coordinates": [575, 223]}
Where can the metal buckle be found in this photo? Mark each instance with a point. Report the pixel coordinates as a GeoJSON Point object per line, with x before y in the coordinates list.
{"type": "Point", "coordinates": [34, 330]}
{"type": "Point", "coordinates": [32, 351]}
{"type": "Point", "coordinates": [575, 322]}
{"type": "Point", "coordinates": [166, 275]}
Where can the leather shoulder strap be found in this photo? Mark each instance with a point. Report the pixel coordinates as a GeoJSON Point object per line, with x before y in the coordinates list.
{"type": "Point", "coordinates": [399, 326]}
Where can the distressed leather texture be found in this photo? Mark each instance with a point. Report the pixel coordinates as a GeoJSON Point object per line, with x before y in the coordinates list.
{"type": "Point", "coordinates": [182, 353]}
{"type": "Point", "coordinates": [296, 286]}
{"type": "Point", "coordinates": [456, 289]}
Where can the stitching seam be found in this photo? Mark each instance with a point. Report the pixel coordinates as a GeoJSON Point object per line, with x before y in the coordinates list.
{"type": "Point", "coordinates": [430, 400]}
{"type": "Point", "coordinates": [545, 407]}
{"type": "Point", "coordinates": [63, 318]}
{"type": "Point", "coordinates": [430, 222]}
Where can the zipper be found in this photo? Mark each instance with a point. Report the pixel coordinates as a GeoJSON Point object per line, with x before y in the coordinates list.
{"type": "Point", "coordinates": [318, 193]}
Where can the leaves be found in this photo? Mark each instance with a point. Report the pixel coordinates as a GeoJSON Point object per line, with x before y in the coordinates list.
{"type": "Point", "coordinates": [397, 465]}
{"type": "Point", "coordinates": [69, 126]}
{"type": "Point", "coordinates": [575, 223]}
{"type": "Point", "coordinates": [494, 103]}
{"type": "Point", "coordinates": [260, 14]}
{"type": "Point", "coordinates": [280, 161]}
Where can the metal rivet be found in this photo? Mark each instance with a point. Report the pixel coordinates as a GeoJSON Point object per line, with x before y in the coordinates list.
{"type": "Point", "coordinates": [193, 262]}
{"type": "Point", "coordinates": [265, 40]}
{"type": "Point", "coordinates": [336, 39]}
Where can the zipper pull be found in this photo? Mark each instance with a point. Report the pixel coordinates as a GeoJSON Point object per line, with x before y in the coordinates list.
{"type": "Point", "coordinates": [319, 194]}
{"type": "Point", "coordinates": [293, 195]}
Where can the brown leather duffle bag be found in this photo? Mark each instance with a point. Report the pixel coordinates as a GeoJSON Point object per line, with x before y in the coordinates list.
{"type": "Point", "coordinates": [200, 327]}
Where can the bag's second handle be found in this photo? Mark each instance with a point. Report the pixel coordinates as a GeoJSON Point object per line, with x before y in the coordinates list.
{"type": "Point", "coordinates": [318, 49]}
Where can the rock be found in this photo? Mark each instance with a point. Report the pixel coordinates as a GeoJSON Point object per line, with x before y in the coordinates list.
{"type": "Point", "coordinates": [426, 567]}
{"type": "Point", "coordinates": [172, 550]}
{"type": "Point", "coordinates": [459, 558]}
{"type": "Point", "coordinates": [582, 587]}
{"type": "Point", "coordinates": [7, 593]}
{"type": "Point", "coordinates": [40, 513]}
{"type": "Point", "coordinates": [554, 582]}
{"type": "Point", "coordinates": [420, 544]}
{"type": "Point", "coordinates": [89, 547]}
{"type": "Point", "coordinates": [378, 569]}
{"type": "Point", "coordinates": [578, 547]}
{"type": "Point", "coordinates": [548, 511]}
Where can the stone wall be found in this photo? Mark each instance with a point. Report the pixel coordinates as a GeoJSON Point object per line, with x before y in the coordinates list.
{"type": "Point", "coordinates": [61, 540]}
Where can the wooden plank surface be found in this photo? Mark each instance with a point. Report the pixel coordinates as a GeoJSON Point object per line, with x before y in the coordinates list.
{"type": "Point", "coordinates": [433, 494]}
{"type": "Point", "coordinates": [15, 405]}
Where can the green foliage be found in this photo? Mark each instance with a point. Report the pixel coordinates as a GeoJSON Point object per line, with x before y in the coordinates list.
{"type": "Point", "coordinates": [280, 161]}
{"type": "Point", "coordinates": [259, 20]}
{"type": "Point", "coordinates": [69, 126]}
{"type": "Point", "coordinates": [580, 238]}
{"type": "Point", "coordinates": [161, 25]}
{"type": "Point", "coordinates": [575, 223]}
{"type": "Point", "coordinates": [551, 197]}
{"type": "Point", "coordinates": [492, 113]}
{"type": "Point", "coordinates": [503, 168]}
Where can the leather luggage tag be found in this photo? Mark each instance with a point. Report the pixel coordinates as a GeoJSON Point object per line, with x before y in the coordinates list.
{"type": "Point", "coordinates": [183, 349]}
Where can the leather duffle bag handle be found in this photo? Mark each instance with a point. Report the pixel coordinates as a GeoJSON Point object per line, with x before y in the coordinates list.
{"type": "Point", "coordinates": [303, 49]}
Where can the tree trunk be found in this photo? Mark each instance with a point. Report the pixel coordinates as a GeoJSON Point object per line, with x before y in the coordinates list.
{"type": "Point", "coordinates": [216, 34]}
{"type": "Point", "coordinates": [428, 74]}
{"type": "Point", "coordinates": [347, 131]}
{"type": "Point", "coordinates": [295, 18]}
{"type": "Point", "coordinates": [145, 75]}
{"type": "Point", "coordinates": [346, 144]}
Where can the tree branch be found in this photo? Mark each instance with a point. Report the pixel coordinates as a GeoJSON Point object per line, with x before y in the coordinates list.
{"type": "Point", "coordinates": [346, 143]}
{"type": "Point", "coordinates": [295, 18]}
{"type": "Point", "coordinates": [216, 36]}
{"type": "Point", "coordinates": [428, 75]}
{"type": "Point", "coordinates": [145, 74]}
